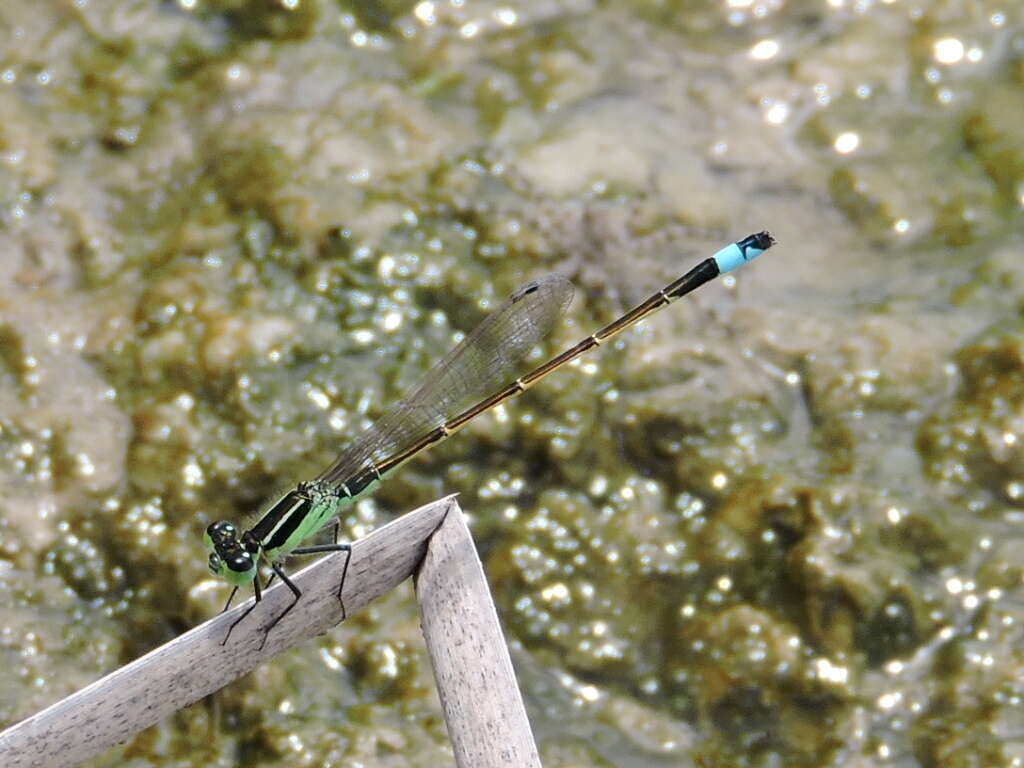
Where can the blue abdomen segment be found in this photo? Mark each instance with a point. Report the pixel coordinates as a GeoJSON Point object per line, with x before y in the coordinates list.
{"type": "Point", "coordinates": [742, 251]}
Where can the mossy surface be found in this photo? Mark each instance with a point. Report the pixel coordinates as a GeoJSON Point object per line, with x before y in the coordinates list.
{"type": "Point", "coordinates": [778, 524]}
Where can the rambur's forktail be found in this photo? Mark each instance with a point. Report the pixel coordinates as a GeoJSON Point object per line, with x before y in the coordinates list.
{"type": "Point", "coordinates": [474, 369]}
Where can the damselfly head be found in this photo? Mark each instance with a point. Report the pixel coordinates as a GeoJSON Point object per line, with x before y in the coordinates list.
{"type": "Point", "coordinates": [235, 565]}
{"type": "Point", "coordinates": [228, 557]}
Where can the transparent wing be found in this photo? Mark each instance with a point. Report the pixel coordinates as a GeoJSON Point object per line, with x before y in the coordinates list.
{"type": "Point", "coordinates": [479, 365]}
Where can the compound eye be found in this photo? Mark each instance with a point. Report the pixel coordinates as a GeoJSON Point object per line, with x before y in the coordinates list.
{"type": "Point", "coordinates": [239, 567]}
{"type": "Point", "coordinates": [239, 562]}
{"type": "Point", "coordinates": [220, 535]}
{"type": "Point", "coordinates": [222, 529]}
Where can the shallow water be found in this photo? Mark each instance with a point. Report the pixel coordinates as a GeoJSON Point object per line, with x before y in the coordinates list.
{"type": "Point", "coordinates": [778, 524]}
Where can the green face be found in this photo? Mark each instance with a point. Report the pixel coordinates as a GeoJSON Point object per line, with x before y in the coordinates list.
{"type": "Point", "coordinates": [228, 558]}
{"type": "Point", "coordinates": [236, 566]}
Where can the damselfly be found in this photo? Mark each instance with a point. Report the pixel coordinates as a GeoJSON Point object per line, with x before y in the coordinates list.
{"type": "Point", "coordinates": [433, 409]}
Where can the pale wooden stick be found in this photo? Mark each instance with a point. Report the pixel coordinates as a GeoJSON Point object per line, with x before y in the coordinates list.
{"type": "Point", "coordinates": [194, 665]}
{"type": "Point", "coordinates": [482, 707]}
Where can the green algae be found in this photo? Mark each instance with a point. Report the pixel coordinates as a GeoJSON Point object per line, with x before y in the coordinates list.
{"type": "Point", "coordinates": [778, 525]}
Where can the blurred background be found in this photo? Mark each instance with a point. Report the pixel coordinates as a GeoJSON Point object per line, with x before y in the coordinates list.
{"type": "Point", "coordinates": [777, 525]}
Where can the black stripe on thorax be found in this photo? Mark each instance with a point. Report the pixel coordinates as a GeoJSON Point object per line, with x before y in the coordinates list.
{"type": "Point", "coordinates": [281, 520]}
